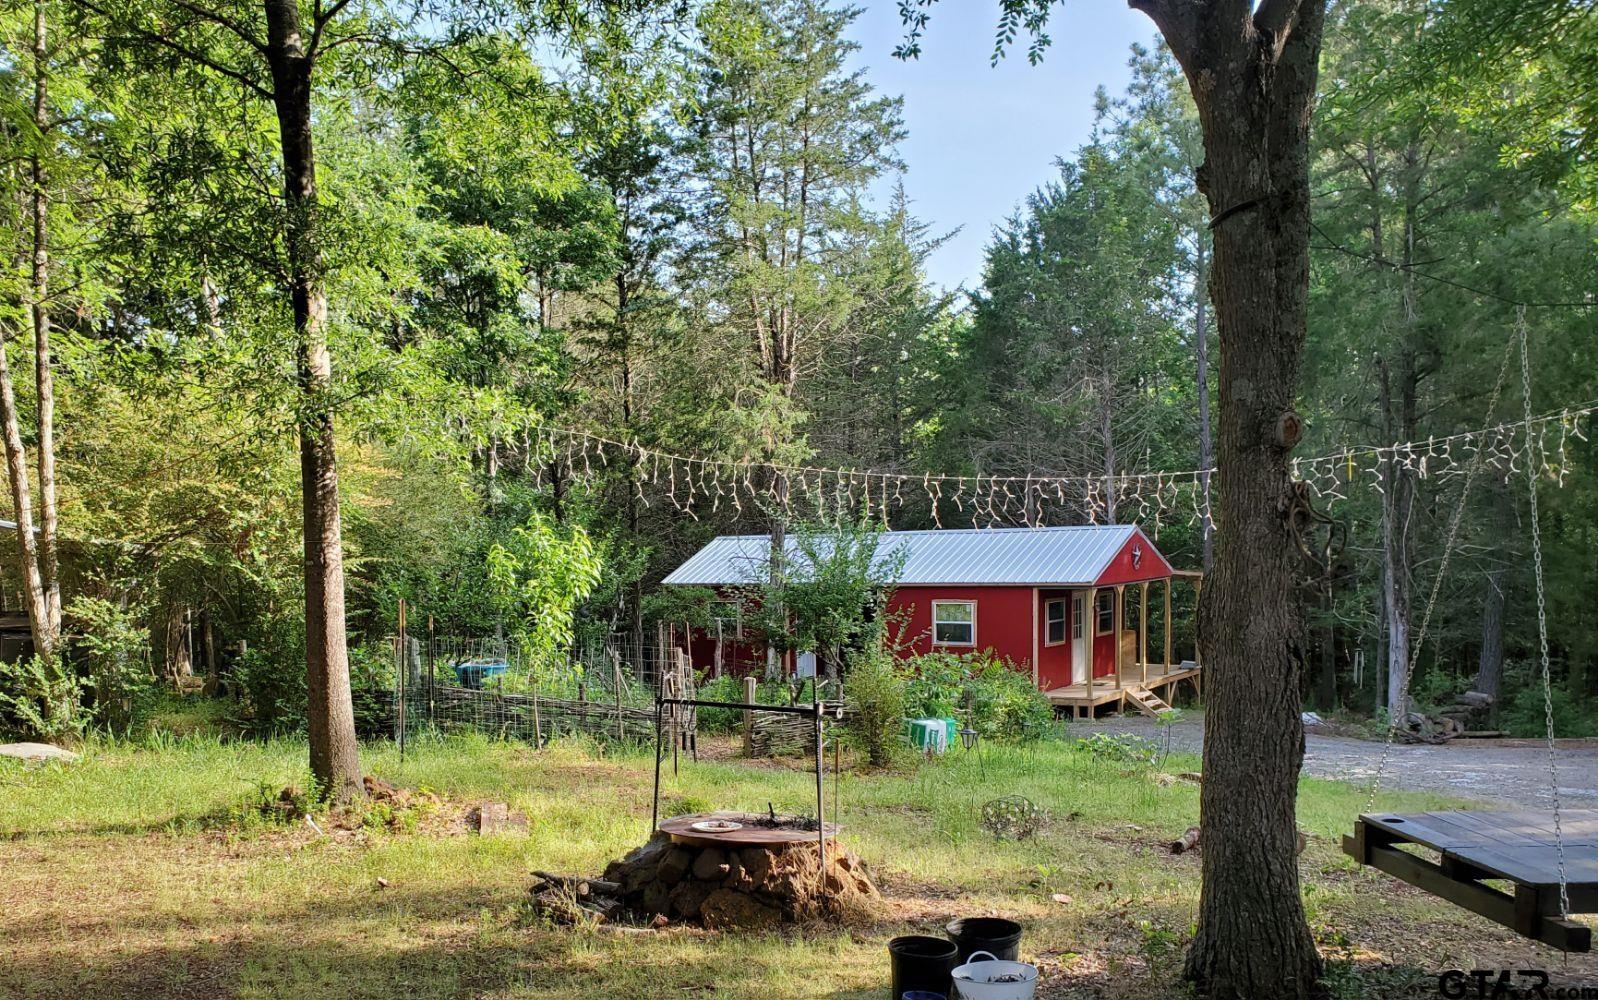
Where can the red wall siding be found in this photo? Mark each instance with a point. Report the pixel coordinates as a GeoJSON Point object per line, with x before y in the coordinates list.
{"type": "Point", "coordinates": [1054, 662]}
{"type": "Point", "coordinates": [1151, 567]}
{"type": "Point", "coordinates": [1003, 614]}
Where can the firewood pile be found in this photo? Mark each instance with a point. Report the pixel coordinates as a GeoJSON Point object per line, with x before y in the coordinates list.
{"type": "Point", "coordinates": [1469, 716]}
{"type": "Point", "coordinates": [663, 882]}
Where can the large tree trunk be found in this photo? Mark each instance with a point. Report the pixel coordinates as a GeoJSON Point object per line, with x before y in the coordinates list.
{"type": "Point", "coordinates": [1107, 444]}
{"type": "Point", "coordinates": [1395, 595]}
{"type": "Point", "coordinates": [1399, 420]}
{"type": "Point", "coordinates": [331, 714]}
{"type": "Point", "coordinates": [1252, 73]}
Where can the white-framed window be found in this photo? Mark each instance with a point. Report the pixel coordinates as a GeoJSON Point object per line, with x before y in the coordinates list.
{"type": "Point", "coordinates": [954, 623]}
{"type": "Point", "coordinates": [727, 616]}
{"type": "Point", "coordinates": [1106, 622]}
{"type": "Point", "coordinates": [1079, 606]}
{"type": "Point", "coordinates": [1054, 619]}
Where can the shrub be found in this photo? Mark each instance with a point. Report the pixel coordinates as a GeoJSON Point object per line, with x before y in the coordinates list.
{"type": "Point", "coordinates": [1122, 748]}
{"type": "Point", "coordinates": [720, 721]}
{"type": "Point", "coordinates": [1005, 704]}
{"type": "Point", "coordinates": [41, 698]}
{"type": "Point", "coordinates": [372, 688]}
{"type": "Point", "coordinates": [271, 676]}
{"type": "Point", "coordinates": [1001, 701]}
{"type": "Point", "coordinates": [1524, 713]}
{"type": "Point", "coordinates": [874, 689]}
{"type": "Point", "coordinates": [936, 684]}
{"type": "Point", "coordinates": [114, 647]}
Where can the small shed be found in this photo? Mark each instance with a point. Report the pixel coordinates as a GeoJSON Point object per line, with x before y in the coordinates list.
{"type": "Point", "coordinates": [1052, 601]}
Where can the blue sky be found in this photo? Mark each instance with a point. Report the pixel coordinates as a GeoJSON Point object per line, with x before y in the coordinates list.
{"type": "Point", "coordinates": [982, 138]}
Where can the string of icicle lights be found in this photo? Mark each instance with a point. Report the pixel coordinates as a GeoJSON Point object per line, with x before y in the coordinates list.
{"type": "Point", "coordinates": [695, 485]}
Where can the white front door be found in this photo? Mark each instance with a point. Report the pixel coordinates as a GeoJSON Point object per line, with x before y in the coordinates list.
{"type": "Point", "coordinates": [1081, 652]}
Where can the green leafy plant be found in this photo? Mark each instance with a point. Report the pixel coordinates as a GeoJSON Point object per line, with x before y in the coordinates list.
{"type": "Point", "coordinates": [1001, 701]}
{"type": "Point", "coordinates": [874, 690]}
{"type": "Point", "coordinates": [1120, 747]}
{"type": "Point", "coordinates": [110, 640]}
{"type": "Point", "coordinates": [372, 687]}
{"type": "Point", "coordinates": [41, 698]}
{"type": "Point", "coordinates": [538, 575]}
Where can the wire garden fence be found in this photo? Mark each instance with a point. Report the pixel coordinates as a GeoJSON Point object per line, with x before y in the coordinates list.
{"type": "Point", "coordinates": [497, 687]}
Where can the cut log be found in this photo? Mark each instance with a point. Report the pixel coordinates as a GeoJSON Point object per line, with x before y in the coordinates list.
{"type": "Point", "coordinates": [576, 883]}
{"type": "Point", "coordinates": [1190, 840]}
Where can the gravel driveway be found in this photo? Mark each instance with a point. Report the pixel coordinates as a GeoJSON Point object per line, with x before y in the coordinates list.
{"type": "Point", "coordinates": [1501, 772]}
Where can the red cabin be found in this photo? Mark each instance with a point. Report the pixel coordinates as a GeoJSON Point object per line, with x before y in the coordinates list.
{"type": "Point", "coordinates": [1052, 601]}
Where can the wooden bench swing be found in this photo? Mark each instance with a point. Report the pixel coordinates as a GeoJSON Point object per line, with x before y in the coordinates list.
{"type": "Point", "coordinates": [1474, 848]}
{"type": "Point", "coordinates": [1548, 858]}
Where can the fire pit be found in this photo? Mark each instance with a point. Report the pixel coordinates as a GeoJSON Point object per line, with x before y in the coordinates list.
{"type": "Point", "coordinates": [723, 869]}
{"type": "Point", "coordinates": [760, 874]}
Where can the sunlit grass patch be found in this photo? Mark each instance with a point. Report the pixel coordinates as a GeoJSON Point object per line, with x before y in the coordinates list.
{"type": "Point", "coordinates": [122, 880]}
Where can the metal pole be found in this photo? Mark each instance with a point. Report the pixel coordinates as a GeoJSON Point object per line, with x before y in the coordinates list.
{"type": "Point", "coordinates": [837, 775]}
{"type": "Point", "coordinates": [402, 664]}
{"type": "Point", "coordinates": [820, 796]}
{"type": "Point", "coordinates": [654, 809]}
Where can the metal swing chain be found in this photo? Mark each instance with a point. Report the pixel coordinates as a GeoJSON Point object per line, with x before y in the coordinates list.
{"type": "Point", "coordinates": [1437, 584]}
{"type": "Point", "coordinates": [1533, 462]}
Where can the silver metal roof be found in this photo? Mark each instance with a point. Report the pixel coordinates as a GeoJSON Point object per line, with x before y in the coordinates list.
{"type": "Point", "coordinates": [1070, 556]}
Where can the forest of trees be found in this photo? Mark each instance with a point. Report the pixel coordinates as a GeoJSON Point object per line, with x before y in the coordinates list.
{"type": "Point", "coordinates": [275, 284]}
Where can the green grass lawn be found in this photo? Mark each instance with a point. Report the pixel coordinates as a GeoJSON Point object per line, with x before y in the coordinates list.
{"type": "Point", "coordinates": [141, 871]}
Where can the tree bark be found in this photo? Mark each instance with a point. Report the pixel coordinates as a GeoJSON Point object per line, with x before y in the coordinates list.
{"type": "Point", "coordinates": [177, 661]}
{"type": "Point", "coordinates": [213, 669]}
{"type": "Point", "coordinates": [1398, 496]}
{"type": "Point", "coordinates": [330, 712]}
{"type": "Point", "coordinates": [1201, 352]}
{"type": "Point", "coordinates": [1252, 73]}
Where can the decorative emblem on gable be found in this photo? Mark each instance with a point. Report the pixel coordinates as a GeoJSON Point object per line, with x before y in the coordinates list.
{"type": "Point", "coordinates": [1137, 555]}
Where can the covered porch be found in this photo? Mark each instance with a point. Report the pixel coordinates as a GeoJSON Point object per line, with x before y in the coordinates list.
{"type": "Point", "coordinates": [1148, 685]}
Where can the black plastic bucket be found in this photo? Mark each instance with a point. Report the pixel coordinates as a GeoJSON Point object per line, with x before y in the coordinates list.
{"type": "Point", "coordinates": [995, 934]}
{"type": "Point", "coordinates": [922, 963]}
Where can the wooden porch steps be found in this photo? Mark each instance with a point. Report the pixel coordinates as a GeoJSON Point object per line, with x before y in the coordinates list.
{"type": "Point", "coordinates": [1147, 702]}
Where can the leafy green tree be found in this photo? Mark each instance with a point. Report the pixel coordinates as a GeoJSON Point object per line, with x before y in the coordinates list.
{"type": "Point", "coordinates": [538, 574]}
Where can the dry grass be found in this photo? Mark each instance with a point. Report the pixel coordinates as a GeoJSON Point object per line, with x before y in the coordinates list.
{"type": "Point", "coordinates": [140, 872]}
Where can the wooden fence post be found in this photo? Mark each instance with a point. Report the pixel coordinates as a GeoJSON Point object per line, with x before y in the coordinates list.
{"type": "Point", "coordinates": [751, 685]}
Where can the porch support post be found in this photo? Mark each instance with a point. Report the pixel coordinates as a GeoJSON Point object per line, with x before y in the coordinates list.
{"type": "Point", "coordinates": [1198, 596]}
{"type": "Point", "coordinates": [1120, 626]}
{"type": "Point", "coordinates": [1143, 630]}
{"type": "Point", "coordinates": [1090, 628]}
{"type": "Point", "coordinates": [1169, 581]}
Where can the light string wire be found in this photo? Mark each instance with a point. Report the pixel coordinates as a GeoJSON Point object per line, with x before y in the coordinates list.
{"type": "Point", "coordinates": [692, 484]}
